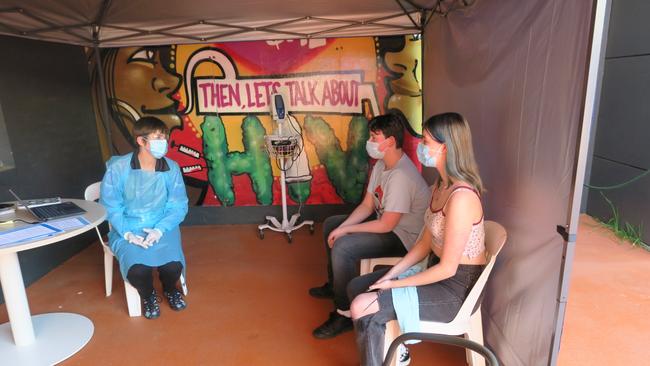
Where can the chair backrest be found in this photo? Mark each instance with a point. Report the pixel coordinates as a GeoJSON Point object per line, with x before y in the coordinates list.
{"type": "Point", "coordinates": [92, 192]}
{"type": "Point", "coordinates": [495, 237]}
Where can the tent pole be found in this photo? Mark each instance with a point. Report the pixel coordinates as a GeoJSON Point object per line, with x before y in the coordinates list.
{"type": "Point", "coordinates": [102, 102]}
{"type": "Point", "coordinates": [408, 14]}
{"type": "Point", "coordinates": [589, 117]}
{"type": "Point", "coordinates": [423, 25]}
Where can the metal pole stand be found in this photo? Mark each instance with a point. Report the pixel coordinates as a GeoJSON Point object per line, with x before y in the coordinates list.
{"type": "Point", "coordinates": [287, 225]}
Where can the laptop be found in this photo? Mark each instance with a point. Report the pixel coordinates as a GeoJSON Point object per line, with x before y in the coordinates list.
{"type": "Point", "coordinates": [50, 212]}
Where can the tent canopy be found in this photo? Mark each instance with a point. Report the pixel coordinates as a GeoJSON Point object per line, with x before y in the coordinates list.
{"type": "Point", "coordinates": [118, 23]}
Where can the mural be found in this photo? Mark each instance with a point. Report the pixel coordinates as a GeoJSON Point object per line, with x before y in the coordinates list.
{"type": "Point", "coordinates": [216, 98]}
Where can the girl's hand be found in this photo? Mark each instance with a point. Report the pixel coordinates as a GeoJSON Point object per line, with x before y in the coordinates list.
{"type": "Point", "coordinates": [382, 285]}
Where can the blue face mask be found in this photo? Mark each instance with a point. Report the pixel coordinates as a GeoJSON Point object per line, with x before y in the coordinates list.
{"type": "Point", "coordinates": [158, 148]}
{"type": "Point", "coordinates": [425, 158]}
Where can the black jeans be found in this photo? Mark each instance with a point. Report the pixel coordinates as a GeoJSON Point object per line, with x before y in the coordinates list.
{"type": "Point", "coordinates": [343, 259]}
{"type": "Point", "coordinates": [141, 277]}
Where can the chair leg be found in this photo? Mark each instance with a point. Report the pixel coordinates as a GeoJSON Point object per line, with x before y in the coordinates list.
{"type": "Point", "coordinates": [108, 264]}
{"type": "Point", "coordinates": [475, 334]}
{"type": "Point", "coordinates": [108, 272]}
{"type": "Point", "coordinates": [392, 332]}
{"type": "Point", "coordinates": [183, 284]}
{"type": "Point", "coordinates": [132, 300]}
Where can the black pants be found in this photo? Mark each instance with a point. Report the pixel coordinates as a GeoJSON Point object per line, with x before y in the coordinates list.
{"type": "Point", "coordinates": [343, 259]}
{"type": "Point", "coordinates": [141, 277]}
{"type": "Point", "coordinates": [439, 301]}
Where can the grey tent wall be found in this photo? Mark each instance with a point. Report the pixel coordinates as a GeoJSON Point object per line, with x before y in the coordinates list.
{"type": "Point", "coordinates": [621, 144]}
{"type": "Point", "coordinates": [517, 71]}
{"type": "Point", "coordinates": [45, 95]}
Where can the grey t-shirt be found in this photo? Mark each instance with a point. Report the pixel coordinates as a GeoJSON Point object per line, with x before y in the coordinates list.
{"type": "Point", "coordinates": [400, 189]}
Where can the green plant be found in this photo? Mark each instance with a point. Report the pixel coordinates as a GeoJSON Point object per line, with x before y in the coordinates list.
{"type": "Point", "coordinates": [624, 230]}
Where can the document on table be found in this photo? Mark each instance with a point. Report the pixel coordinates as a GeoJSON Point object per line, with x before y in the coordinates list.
{"type": "Point", "coordinates": [28, 232]}
{"type": "Point", "coordinates": [69, 223]}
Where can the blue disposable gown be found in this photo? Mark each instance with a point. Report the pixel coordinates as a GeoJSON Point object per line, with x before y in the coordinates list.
{"type": "Point", "coordinates": [136, 199]}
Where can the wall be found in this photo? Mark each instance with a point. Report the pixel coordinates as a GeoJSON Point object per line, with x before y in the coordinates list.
{"type": "Point", "coordinates": [215, 100]}
{"type": "Point", "coordinates": [46, 101]}
{"type": "Point", "coordinates": [620, 149]}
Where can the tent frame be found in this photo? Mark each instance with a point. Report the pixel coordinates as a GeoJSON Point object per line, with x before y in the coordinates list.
{"type": "Point", "coordinates": [569, 232]}
{"type": "Point", "coordinates": [98, 24]}
{"type": "Point", "coordinates": [408, 8]}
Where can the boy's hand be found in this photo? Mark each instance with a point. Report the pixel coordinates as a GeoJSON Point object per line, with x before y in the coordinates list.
{"type": "Point", "coordinates": [334, 235]}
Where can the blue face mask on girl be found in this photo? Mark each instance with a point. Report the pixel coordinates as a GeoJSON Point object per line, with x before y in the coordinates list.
{"type": "Point", "coordinates": [425, 158]}
{"type": "Point", "coordinates": [158, 148]}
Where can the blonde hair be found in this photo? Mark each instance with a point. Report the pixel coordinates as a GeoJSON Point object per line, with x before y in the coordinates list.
{"type": "Point", "coordinates": [453, 130]}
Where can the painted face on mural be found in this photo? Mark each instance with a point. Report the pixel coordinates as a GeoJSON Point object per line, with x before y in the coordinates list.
{"type": "Point", "coordinates": [226, 114]}
{"type": "Point", "coordinates": [144, 82]}
{"type": "Point", "coordinates": [402, 58]}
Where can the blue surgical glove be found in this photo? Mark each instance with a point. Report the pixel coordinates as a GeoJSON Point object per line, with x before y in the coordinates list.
{"type": "Point", "coordinates": [153, 236]}
{"type": "Point", "coordinates": [135, 239]}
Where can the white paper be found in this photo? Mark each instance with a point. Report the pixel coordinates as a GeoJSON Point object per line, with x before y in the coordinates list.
{"type": "Point", "coordinates": [69, 223]}
{"type": "Point", "coordinates": [26, 233]}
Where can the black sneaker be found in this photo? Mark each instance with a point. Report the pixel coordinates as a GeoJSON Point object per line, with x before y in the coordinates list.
{"type": "Point", "coordinates": [323, 292]}
{"type": "Point", "coordinates": [175, 299]}
{"type": "Point", "coordinates": [150, 307]}
{"type": "Point", "coordinates": [335, 325]}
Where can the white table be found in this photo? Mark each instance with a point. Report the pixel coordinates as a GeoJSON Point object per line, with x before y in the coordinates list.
{"type": "Point", "coordinates": [43, 339]}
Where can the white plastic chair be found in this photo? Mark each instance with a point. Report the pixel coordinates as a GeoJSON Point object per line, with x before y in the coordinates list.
{"type": "Point", "coordinates": [368, 265]}
{"type": "Point", "coordinates": [465, 323]}
{"type": "Point", "coordinates": [132, 296]}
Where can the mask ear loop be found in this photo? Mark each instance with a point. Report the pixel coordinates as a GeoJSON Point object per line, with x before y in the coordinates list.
{"type": "Point", "coordinates": [380, 143]}
{"type": "Point", "coordinates": [439, 150]}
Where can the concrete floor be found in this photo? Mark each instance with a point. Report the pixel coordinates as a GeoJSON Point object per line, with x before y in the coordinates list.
{"type": "Point", "coordinates": [608, 313]}
{"type": "Point", "coordinates": [248, 305]}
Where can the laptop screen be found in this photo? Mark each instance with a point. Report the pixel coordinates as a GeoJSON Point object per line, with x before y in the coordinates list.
{"type": "Point", "coordinates": [24, 204]}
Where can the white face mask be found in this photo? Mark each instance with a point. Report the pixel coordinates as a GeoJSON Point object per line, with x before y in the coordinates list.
{"type": "Point", "coordinates": [373, 150]}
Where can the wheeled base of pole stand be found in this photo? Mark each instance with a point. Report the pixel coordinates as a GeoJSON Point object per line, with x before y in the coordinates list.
{"type": "Point", "coordinates": [283, 148]}
{"type": "Point", "coordinates": [285, 227]}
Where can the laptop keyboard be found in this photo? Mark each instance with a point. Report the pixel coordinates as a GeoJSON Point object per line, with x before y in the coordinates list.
{"type": "Point", "coordinates": [46, 211]}
{"type": "Point", "coordinates": [57, 210]}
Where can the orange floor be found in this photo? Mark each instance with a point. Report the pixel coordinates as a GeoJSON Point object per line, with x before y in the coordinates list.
{"type": "Point", "coordinates": [248, 305]}
{"type": "Point", "coordinates": [608, 312]}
